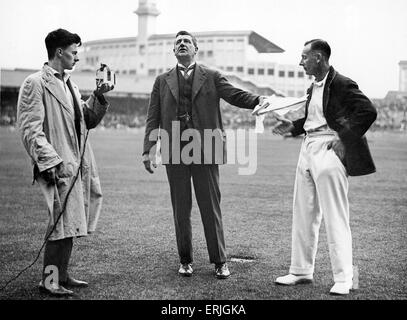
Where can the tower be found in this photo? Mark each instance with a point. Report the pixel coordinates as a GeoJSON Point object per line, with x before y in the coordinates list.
{"type": "Point", "coordinates": [403, 75]}
{"type": "Point", "coordinates": [147, 14]}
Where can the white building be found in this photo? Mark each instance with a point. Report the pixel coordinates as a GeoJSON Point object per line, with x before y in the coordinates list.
{"type": "Point", "coordinates": [150, 54]}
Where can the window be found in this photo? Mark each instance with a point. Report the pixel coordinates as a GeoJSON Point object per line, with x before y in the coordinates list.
{"type": "Point", "coordinates": [291, 74]}
{"type": "Point", "coordinates": [239, 69]}
{"type": "Point", "coordinates": [300, 93]}
{"type": "Point", "coordinates": [260, 71]}
{"type": "Point", "coordinates": [210, 54]}
{"type": "Point", "coordinates": [124, 71]}
{"type": "Point", "coordinates": [151, 72]}
{"type": "Point", "coordinates": [240, 40]}
{"type": "Point", "coordinates": [250, 71]}
{"type": "Point", "coordinates": [220, 40]}
{"type": "Point", "coordinates": [231, 40]}
{"type": "Point", "coordinates": [132, 71]}
{"type": "Point", "coordinates": [200, 54]}
{"type": "Point", "coordinates": [281, 74]}
{"type": "Point", "coordinates": [300, 74]}
{"type": "Point", "coordinates": [291, 93]}
{"type": "Point", "coordinates": [270, 72]}
{"type": "Point", "coordinates": [229, 68]}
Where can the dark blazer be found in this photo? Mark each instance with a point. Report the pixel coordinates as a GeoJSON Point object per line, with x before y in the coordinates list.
{"type": "Point", "coordinates": [207, 88]}
{"type": "Point", "coordinates": [350, 113]}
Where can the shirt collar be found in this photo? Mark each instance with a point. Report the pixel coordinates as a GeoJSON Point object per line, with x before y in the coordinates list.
{"type": "Point", "coordinates": [65, 76]}
{"type": "Point", "coordinates": [322, 82]}
{"type": "Point", "coordinates": [190, 67]}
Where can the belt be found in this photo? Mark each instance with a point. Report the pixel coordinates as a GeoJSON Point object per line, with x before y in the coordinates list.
{"type": "Point", "coordinates": [321, 131]}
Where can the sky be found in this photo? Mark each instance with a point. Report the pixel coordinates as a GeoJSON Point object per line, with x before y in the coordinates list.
{"type": "Point", "coordinates": [368, 37]}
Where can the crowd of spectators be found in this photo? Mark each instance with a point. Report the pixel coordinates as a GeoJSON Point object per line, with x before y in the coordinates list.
{"type": "Point", "coordinates": [392, 116]}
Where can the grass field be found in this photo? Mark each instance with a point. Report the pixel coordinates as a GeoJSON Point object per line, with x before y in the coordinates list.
{"type": "Point", "coordinates": [133, 255]}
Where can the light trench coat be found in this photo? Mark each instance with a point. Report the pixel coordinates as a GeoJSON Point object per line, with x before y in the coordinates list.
{"type": "Point", "coordinates": [46, 123]}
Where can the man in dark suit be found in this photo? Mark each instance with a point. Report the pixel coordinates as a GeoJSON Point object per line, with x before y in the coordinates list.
{"type": "Point", "coordinates": [337, 115]}
{"type": "Point", "coordinates": [184, 106]}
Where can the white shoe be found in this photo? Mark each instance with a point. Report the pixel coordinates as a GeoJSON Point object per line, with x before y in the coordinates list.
{"type": "Point", "coordinates": [186, 269]}
{"type": "Point", "coordinates": [292, 280]}
{"type": "Point", "coordinates": [341, 288]}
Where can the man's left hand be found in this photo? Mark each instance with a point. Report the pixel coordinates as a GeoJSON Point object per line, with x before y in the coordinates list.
{"type": "Point", "coordinates": [338, 148]}
{"type": "Point", "coordinates": [262, 104]}
{"type": "Point", "coordinates": [103, 89]}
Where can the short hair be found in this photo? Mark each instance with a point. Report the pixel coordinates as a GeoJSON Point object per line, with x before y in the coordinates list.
{"type": "Point", "coordinates": [60, 38]}
{"type": "Point", "coordinates": [186, 33]}
{"type": "Point", "coordinates": [320, 45]}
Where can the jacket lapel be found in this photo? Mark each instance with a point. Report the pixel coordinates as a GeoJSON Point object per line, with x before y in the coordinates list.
{"type": "Point", "coordinates": [172, 81]}
{"type": "Point", "coordinates": [55, 89]}
{"type": "Point", "coordinates": [199, 79]}
{"type": "Point", "coordinates": [329, 79]}
{"type": "Point", "coordinates": [309, 96]}
{"type": "Point", "coordinates": [76, 96]}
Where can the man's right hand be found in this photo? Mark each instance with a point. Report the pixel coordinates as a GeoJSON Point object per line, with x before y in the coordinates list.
{"type": "Point", "coordinates": [50, 175]}
{"type": "Point", "coordinates": [284, 126]}
{"type": "Point", "coordinates": [147, 163]}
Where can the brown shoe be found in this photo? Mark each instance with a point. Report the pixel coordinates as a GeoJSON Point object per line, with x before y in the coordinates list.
{"type": "Point", "coordinates": [73, 283]}
{"type": "Point", "coordinates": [54, 289]}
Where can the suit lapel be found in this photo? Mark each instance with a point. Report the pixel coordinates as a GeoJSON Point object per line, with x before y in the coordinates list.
{"type": "Point", "coordinates": [172, 81]}
{"type": "Point", "coordinates": [56, 90]}
{"type": "Point", "coordinates": [75, 96]}
{"type": "Point", "coordinates": [329, 79]}
{"type": "Point", "coordinates": [199, 79]}
{"type": "Point", "coordinates": [309, 93]}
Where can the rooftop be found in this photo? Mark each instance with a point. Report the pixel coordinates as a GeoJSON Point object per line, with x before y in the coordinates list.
{"type": "Point", "coordinates": [261, 44]}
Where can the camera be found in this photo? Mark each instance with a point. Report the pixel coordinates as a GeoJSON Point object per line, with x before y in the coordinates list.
{"type": "Point", "coordinates": [105, 75]}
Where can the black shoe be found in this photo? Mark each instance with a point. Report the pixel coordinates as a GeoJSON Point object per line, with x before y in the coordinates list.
{"type": "Point", "coordinates": [71, 282]}
{"type": "Point", "coordinates": [186, 269]}
{"type": "Point", "coordinates": [54, 289]}
{"type": "Point", "coordinates": [222, 271]}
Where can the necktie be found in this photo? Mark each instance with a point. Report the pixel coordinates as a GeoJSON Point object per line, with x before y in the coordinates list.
{"type": "Point", "coordinates": [186, 70]}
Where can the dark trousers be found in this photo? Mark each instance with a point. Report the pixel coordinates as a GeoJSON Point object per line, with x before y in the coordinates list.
{"type": "Point", "coordinates": [206, 185]}
{"type": "Point", "coordinates": [58, 253]}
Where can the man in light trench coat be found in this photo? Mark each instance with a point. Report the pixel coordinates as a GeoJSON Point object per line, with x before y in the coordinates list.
{"type": "Point", "coordinates": [53, 121]}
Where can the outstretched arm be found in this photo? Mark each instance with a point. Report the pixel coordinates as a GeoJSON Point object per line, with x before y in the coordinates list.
{"type": "Point", "coordinates": [233, 95]}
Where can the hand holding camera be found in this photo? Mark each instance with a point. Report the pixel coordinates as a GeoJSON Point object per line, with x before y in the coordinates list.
{"type": "Point", "coordinates": [105, 80]}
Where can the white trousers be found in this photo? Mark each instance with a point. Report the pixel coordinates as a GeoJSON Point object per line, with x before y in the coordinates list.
{"type": "Point", "coordinates": [321, 190]}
